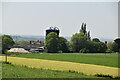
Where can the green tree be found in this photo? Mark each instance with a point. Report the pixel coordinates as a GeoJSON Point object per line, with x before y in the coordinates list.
{"type": "Point", "coordinates": [109, 46]}
{"type": "Point", "coordinates": [95, 47]}
{"type": "Point", "coordinates": [81, 42]}
{"type": "Point", "coordinates": [101, 47]}
{"type": "Point", "coordinates": [7, 42]}
{"type": "Point", "coordinates": [88, 35]}
{"type": "Point", "coordinates": [78, 41]}
{"type": "Point", "coordinates": [21, 43]}
{"type": "Point", "coordinates": [114, 47]}
{"type": "Point", "coordinates": [63, 45]}
{"type": "Point", "coordinates": [90, 46]}
{"type": "Point", "coordinates": [96, 40]}
{"type": "Point", "coordinates": [0, 45]}
{"type": "Point", "coordinates": [83, 30]}
{"type": "Point", "coordinates": [84, 50]}
{"type": "Point", "coordinates": [118, 42]}
{"type": "Point", "coordinates": [52, 43]}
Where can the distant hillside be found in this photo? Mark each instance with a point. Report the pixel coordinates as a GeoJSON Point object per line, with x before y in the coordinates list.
{"type": "Point", "coordinates": [28, 38]}
{"type": "Point", "coordinates": [108, 40]}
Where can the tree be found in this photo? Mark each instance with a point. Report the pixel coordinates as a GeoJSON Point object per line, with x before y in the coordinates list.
{"type": "Point", "coordinates": [109, 46]}
{"type": "Point", "coordinates": [0, 45]}
{"type": "Point", "coordinates": [7, 42]}
{"type": "Point", "coordinates": [90, 46]}
{"type": "Point", "coordinates": [88, 35]}
{"type": "Point", "coordinates": [118, 42]}
{"type": "Point", "coordinates": [95, 47]}
{"type": "Point", "coordinates": [21, 43]}
{"type": "Point", "coordinates": [52, 43]}
{"type": "Point", "coordinates": [101, 47]}
{"type": "Point", "coordinates": [78, 41]}
{"type": "Point", "coordinates": [63, 45]}
{"type": "Point", "coordinates": [96, 40]}
{"type": "Point", "coordinates": [83, 30]}
{"type": "Point", "coordinates": [84, 50]}
{"type": "Point", "coordinates": [81, 42]}
{"type": "Point", "coordinates": [114, 47]}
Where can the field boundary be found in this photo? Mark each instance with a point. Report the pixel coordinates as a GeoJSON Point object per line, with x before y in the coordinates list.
{"type": "Point", "coordinates": [88, 69]}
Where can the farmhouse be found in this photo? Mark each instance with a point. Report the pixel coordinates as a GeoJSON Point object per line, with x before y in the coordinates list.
{"type": "Point", "coordinates": [32, 46]}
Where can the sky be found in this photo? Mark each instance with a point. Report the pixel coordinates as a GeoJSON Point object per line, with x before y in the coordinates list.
{"type": "Point", "coordinates": [33, 18]}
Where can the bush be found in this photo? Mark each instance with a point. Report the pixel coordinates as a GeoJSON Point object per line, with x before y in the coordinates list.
{"type": "Point", "coordinates": [14, 53]}
{"type": "Point", "coordinates": [102, 75]}
{"type": "Point", "coordinates": [84, 50]}
{"type": "Point", "coordinates": [109, 51]}
{"type": "Point", "coordinates": [6, 63]}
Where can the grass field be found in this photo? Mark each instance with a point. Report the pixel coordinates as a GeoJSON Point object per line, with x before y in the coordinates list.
{"type": "Point", "coordinates": [87, 69]}
{"type": "Point", "coordinates": [73, 62]}
{"type": "Point", "coordinates": [0, 70]}
{"type": "Point", "coordinates": [97, 59]}
{"type": "Point", "coordinates": [15, 71]}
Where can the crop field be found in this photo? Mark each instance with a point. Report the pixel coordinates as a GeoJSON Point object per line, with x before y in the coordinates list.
{"type": "Point", "coordinates": [0, 69]}
{"type": "Point", "coordinates": [87, 69]}
{"type": "Point", "coordinates": [110, 60]}
{"type": "Point", "coordinates": [15, 71]}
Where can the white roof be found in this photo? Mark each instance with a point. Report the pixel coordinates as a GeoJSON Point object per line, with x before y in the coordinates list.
{"type": "Point", "coordinates": [18, 50]}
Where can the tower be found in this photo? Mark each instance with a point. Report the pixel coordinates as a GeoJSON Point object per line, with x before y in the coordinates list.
{"type": "Point", "coordinates": [53, 29]}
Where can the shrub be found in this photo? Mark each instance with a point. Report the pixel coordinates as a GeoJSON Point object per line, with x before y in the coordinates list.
{"type": "Point", "coordinates": [84, 50]}
{"type": "Point", "coordinates": [102, 75]}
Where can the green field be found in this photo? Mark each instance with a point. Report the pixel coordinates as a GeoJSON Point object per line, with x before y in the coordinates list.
{"type": "Point", "coordinates": [15, 71]}
{"type": "Point", "coordinates": [97, 59]}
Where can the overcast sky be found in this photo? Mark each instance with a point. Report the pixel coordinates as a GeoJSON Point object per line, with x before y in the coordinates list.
{"type": "Point", "coordinates": [33, 18]}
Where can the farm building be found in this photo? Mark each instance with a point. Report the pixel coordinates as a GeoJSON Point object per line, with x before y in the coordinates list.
{"type": "Point", "coordinates": [32, 46]}
{"type": "Point", "coordinates": [18, 50]}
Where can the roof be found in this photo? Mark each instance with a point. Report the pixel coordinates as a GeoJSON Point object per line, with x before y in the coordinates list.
{"type": "Point", "coordinates": [18, 50]}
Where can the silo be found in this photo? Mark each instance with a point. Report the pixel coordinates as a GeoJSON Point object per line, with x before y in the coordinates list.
{"type": "Point", "coordinates": [53, 29]}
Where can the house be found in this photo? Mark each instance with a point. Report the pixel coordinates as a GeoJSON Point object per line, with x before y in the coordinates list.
{"type": "Point", "coordinates": [33, 46]}
{"type": "Point", "coordinates": [39, 49]}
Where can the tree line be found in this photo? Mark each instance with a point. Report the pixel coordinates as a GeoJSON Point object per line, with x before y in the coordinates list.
{"type": "Point", "coordinates": [80, 42]}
